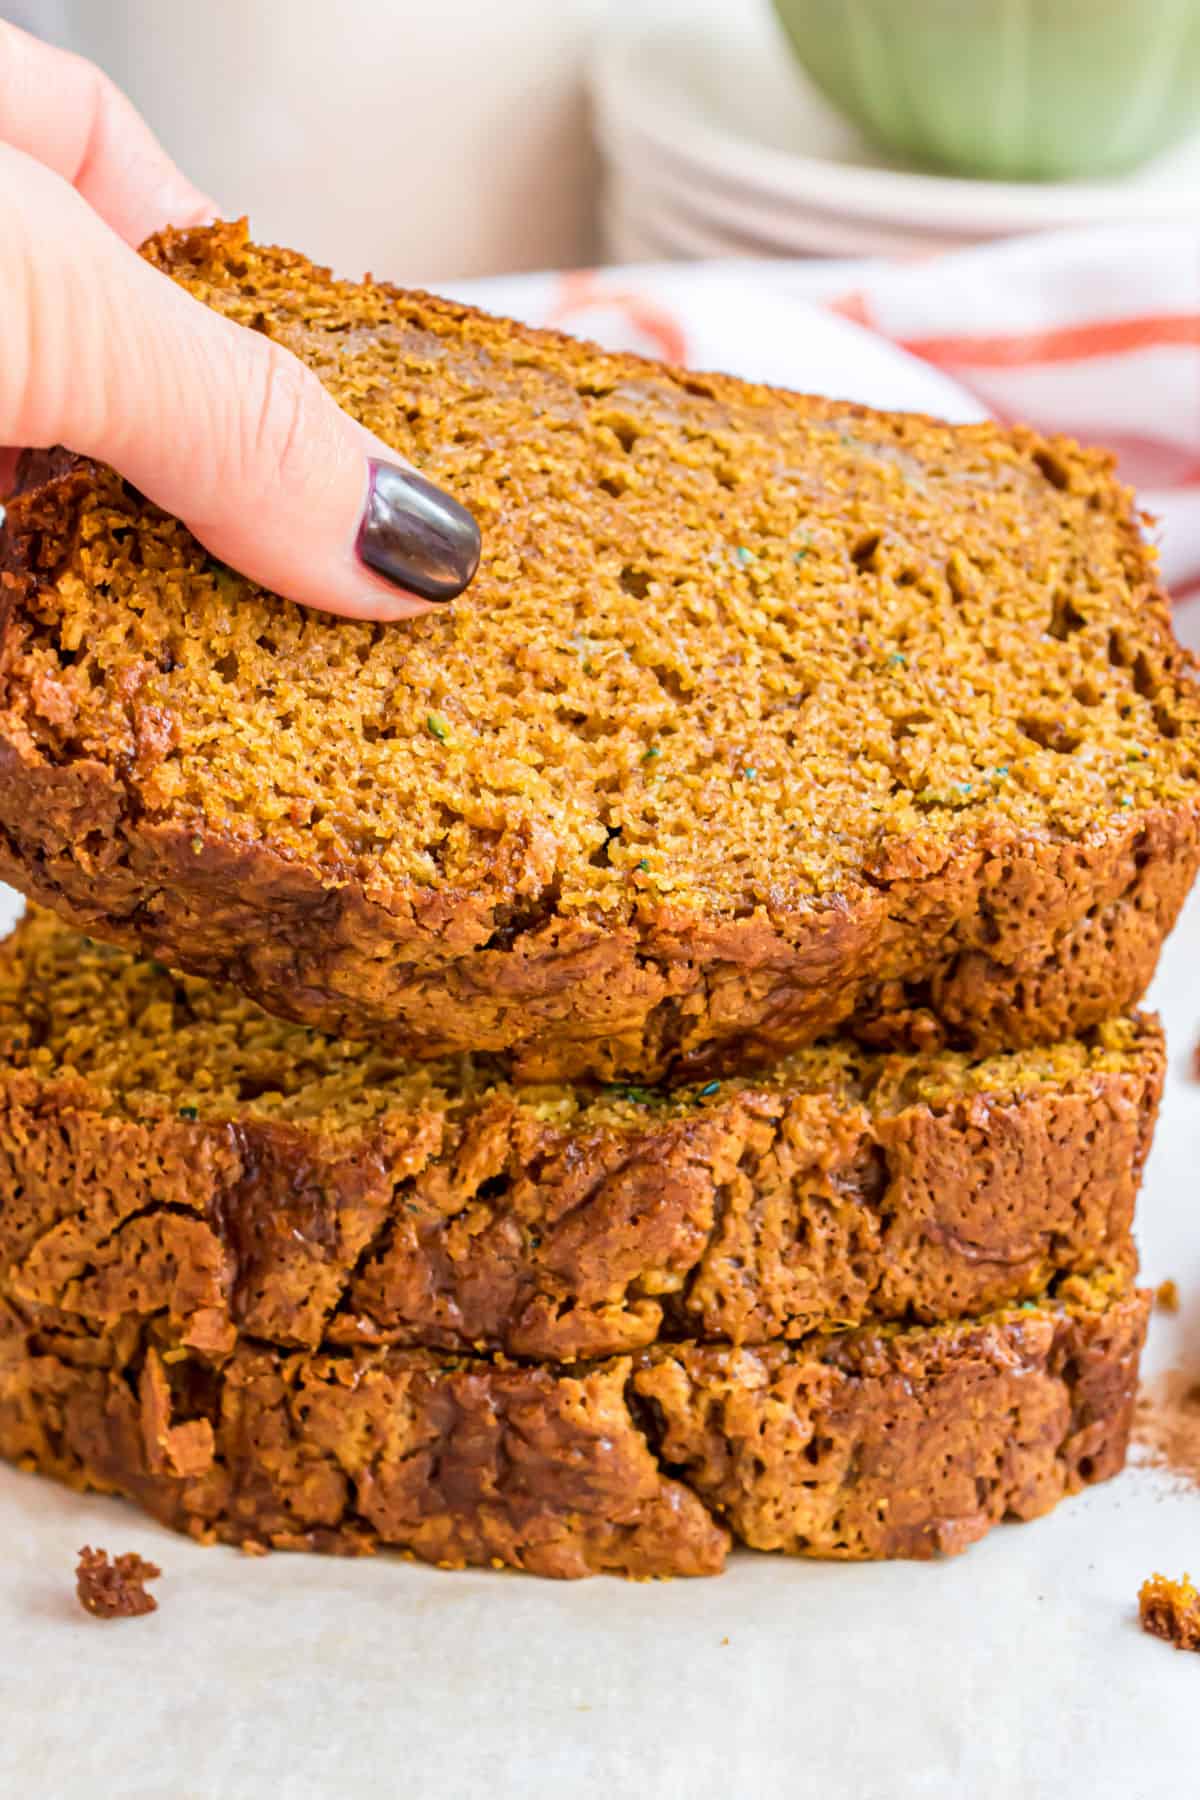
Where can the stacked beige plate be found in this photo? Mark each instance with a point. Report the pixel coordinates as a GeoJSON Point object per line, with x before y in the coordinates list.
{"type": "Point", "coordinates": [715, 144]}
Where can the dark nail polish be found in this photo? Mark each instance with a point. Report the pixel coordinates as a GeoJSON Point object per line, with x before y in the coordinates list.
{"type": "Point", "coordinates": [414, 534]}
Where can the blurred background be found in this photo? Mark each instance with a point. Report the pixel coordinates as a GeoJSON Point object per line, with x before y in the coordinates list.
{"type": "Point", "coordinates": [468, 137]}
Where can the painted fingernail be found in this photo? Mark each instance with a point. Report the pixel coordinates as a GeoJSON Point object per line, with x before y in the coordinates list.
{"type": "Point", "coordinates": [414, 534]}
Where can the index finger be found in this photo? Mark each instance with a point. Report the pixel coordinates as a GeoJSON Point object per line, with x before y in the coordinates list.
{"type": "Point", "coordinates": [67, 114]}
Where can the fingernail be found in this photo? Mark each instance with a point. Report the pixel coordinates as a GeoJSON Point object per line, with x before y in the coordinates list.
{"type": "Point", "coordinates": [414, 534]}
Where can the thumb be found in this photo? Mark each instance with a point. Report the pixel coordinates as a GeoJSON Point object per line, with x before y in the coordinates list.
{"type": "Point", "coordinates": [213, 422]}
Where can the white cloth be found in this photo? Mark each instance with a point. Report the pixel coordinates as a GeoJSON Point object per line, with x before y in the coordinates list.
{"type": "Point", "coordinates": [1092, 333]}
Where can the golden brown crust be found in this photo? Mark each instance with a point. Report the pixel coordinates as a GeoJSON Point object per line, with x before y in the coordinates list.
{"type": "Point", "coordinates": [870, 1445]}
{"type": "Point", "coordinates": [993, 933]}
{"type": "Point", "coordinates": [907, 1445]}
{"type": "Point", "coordinates": [836, 1189]}
{"type": "Point", "coordinates": [999, 951]}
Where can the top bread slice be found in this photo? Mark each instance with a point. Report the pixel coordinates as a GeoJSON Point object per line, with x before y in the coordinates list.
{"type": "Point", "coordinates": [764, 715]}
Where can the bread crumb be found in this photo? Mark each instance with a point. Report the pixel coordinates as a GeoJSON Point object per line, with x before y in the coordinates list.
{"type": "Point", "coordinates": [1166, 1297]}
{"type": "Point", "coordinates": [1166, 1426]}
{"type": "Point", "coordinates": [1171, 1610]}
{"type": "Point", "coordinates": [114, 1588]}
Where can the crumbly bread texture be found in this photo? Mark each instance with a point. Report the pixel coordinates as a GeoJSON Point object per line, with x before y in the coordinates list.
{"type": "Point", "coordinates": [1170, 1610]}
{"type": "Point", "coordinates": [166, 1148]}
{"type": "Point", "coordinates": [874, 1444]}
{"type": "Point", "coordinates": [764, 713]}
{"type": "Point", "coordinates": [115, 1587]}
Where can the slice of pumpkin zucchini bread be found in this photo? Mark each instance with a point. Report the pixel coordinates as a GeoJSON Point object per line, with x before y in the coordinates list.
{"type": "Point", "coordinates": [764, 714]}
{"type": "Point", "coordinates": [884, 1442]}
{"type": "Point", "coordinates": [169, 1151]}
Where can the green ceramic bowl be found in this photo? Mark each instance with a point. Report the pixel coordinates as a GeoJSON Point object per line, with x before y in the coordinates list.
{"type": "Point", "coordinates": [1015, 89]}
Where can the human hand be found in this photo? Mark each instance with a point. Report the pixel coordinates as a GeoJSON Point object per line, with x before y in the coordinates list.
{"type": "Point", "coordinates": [215, 423]}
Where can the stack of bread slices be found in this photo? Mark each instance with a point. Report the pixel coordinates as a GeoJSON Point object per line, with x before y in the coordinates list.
{"type": "Point", "coordinates": [640, 1060]}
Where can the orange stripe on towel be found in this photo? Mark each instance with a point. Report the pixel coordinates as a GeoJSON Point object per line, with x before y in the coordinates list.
{"type": "Point", "coordinates": [1064, 343]}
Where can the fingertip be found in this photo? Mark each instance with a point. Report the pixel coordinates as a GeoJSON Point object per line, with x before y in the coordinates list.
{"type": "Point", "coordinates": [358, 593]}
{"type": "Point", "coordinates": [398, 609]}
{"type": "Point", "coordinates": [173, 203]}
{"type": "Point", "coordinates": [335, 583]}
{"type": "Point", "coordinates": [192, 210]}
{"type": "Point", "coordinates": [391, 605]}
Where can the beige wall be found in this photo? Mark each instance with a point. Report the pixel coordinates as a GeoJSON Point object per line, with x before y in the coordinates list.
{"type": "Point", "coordinates": [425, 138]}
